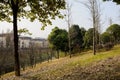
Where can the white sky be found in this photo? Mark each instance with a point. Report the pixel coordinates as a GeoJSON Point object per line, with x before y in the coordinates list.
{"type": "Point", "coordinates": [80, 16]}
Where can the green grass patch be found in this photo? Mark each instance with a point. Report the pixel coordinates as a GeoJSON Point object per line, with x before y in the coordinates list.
{"type": "Point", "coordinates": [62, 66]}
{"type": "Point", "coordinates": [82, 59]}
{"type": "Point", "coordinates": [89, 57]}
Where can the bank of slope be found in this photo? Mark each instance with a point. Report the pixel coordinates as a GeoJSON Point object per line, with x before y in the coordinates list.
{"type": "Point", "coordinates": [83, 67]}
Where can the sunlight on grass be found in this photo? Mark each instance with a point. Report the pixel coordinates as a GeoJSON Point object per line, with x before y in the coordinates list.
{"type": "Point", "coordinates": [89, 58]}
{"type": "Point", "coordinates": [59, 67]}
{"type": "Point", "coordinates": [82, 59]}
{"type": "Point", "coordinates": [8, 74]}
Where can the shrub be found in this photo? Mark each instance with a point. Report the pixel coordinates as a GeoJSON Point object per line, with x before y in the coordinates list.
{"type": "Point", "coordinates": [108, 46]}
{"type": "Point", "coordinates": [99, 46]}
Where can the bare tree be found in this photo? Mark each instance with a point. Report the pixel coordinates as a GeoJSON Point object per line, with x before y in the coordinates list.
{"type": "Point", "coordinates": [68, 20]}
{"type": "Point", "coordinates": [95, 12]}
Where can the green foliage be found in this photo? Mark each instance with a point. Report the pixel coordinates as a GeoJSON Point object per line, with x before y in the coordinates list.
{"type": "Point", "coordinates": [76, 38]}
{"type": "Point", "coordinates": [42, 10]}
{"type": "Point", "coordinates": [88, 39]}
{"type": "Point", "coordinates": [58, 39]}
{"type": "Point", "coordinates": [83, 31]}
{"type": "Point", "coordinates": [24, 31]}
{"type": "Point", "coordinates": [114, 31]}
{"type": "Point", "coordinates": [105, 38]}
{"type": "Point", "coordinates": [4, 14]}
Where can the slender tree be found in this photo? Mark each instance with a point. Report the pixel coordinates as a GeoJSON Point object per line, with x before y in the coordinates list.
{"type": "Point", "coordinates": [94, 8]}
{"type": "Point", "coordinates": [68, 20]}
{"type": "Point", "coordinates": [43, 10]}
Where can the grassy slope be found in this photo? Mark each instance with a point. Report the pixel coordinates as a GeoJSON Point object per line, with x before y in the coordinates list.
{"type": "Point", "coordinates": [59, 68]}
{"type": "Point", "coordinates": [89, 58]}
{"type": "Point", "coordinates": [81, 60]}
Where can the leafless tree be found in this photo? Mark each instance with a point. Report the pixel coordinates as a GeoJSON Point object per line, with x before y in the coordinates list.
{"type": "Point", "coordinates": [95, 11]}
{"type": "Point", "coordinates": [68, 20]}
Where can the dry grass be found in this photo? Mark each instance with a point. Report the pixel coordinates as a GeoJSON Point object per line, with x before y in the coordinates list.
{"type": "Point", "coordinates": [58, 68]}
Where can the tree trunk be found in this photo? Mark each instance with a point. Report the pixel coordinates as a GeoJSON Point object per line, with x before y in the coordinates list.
{"type": "Point", "coordinates": [51, 54]}
{"type": "Point", "coordinates": [68, 22]}
{"type": "Point", "coordinates": [94, 27]}
{"type": "Point", "coordinates": [94, 50]}
{"type": "Point", "coordinates": [48, 56]}
{"type": "Point", "coordinates": [58, 54]}
{"type": "Point", "coordinates": [69, 43]}
{"type": "Point", "coordinates": [16, 54]}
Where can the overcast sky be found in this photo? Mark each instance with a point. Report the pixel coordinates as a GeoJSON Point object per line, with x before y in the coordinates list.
{"type": "Point", "coordinates": [80, 16]}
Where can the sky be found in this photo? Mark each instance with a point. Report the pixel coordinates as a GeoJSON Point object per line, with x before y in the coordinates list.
{"type": "Point", "coordinates": [80, 16]}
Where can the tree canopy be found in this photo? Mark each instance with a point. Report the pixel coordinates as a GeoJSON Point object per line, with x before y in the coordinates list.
{"type": "Point", "coordinates": [88, 38]}
{"type": "Point", "coordinates": [42, 10]}
{"type": "Point", "coordinates": [24, 31]}
{"type": "Point", "coordinates": [76, 38]}
{"type": "Point", "coordinates": [114, 31]}
{"type": "Point", "coordinates": [105, 38]}
{"type": "Point", "coordinates": [58, 39]}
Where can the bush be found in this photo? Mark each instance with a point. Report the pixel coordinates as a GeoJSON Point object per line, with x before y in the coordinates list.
{"type": "Point", "coordinates": [108, 46]}
{"type": "Point", "coordinates": [99, 46]}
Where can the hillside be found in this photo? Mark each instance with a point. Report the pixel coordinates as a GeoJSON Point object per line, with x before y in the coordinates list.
{"type": "Point", "coordinates": [103, 66]}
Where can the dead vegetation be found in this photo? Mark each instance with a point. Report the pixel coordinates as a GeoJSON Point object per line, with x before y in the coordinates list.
{"type": "Point", "coordinates": [103, 66]}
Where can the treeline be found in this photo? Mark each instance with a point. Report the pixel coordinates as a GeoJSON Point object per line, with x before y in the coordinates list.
{"type": "Point", "coordinates": [82, 39]}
